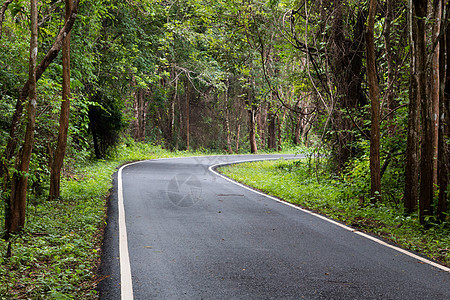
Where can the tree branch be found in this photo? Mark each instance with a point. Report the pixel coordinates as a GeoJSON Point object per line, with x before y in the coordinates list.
{"type": "Point", "coordinates": [391, 112]}
{"type": "Point", "coordinates": [356, 124]}
{"type": "Point", "coordinates": [40, 69]}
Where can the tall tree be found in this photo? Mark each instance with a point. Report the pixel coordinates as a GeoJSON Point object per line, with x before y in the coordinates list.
{"type": "Point", "coordinates": [435, 85]}
{"type": "Point", "coordinates": [444, 116]}
{"type": "Point", "coordinates": [411, 192]}
{"type": "Point", "coordinates": [16, 204]}
{"type": "Point", "coordinates": [390, 64]}
{"type": "Point", "coordinates": [58, 159]}
{"type": "Point", "coordinates": [15, 218]}
{"type": "Point", "coordinates": [10, 148]}
{"type": "Point", "coordinates": [374, 92]}
{"type": "Point", "coordinates": [427, 128]}
{"type": "Point", "coordinates": [251, 108]}
{"type": "Point", "coordinates": [140, 113]}
{"type": "Point", "coordinates": [345, 74]}
{"type": "Point", "coordinates": [227, 115]}
{"type": "Point", "coordinates": [188, 113]}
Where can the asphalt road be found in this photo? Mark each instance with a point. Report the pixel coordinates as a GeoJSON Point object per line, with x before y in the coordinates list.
{"type": "Point", "coordinates": [191, 234]}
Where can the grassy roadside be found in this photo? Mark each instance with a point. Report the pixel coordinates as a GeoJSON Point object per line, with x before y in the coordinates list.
{"type": "Point", "coordinates": [56, 256]}
{"type": "Point", "coordinates": [291, 181]}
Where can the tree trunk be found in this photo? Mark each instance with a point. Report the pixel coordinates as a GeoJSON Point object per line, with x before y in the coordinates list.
{"type": "Point", "coordinates": [427, 150]}
{"type": "Point", "coordinates": [144, 108]}
{"type": "Point", "coordinates": [187, 115]}
{"type": "Point", "coordinates": [411, 195]}
{"type": "Point", "coordinates": [297, 130]}
{"type": "Point", "coordinates": [375, 172]}
{"type": "Point", "coordinates": [49, 57]}
{"type": "Point", "coordinates": [180, 123]}
{"type": "Point", "coordinates": [238, 132]}
{"type": "Point", "coordinates": [279, 130]}
{"type": "Point", "coordinates": [271, 143]}
{"type": "Point", "coordinates": [172, 114]}
{"type": "Point", "coordinates": [58, 159]}
{"type": "Point", "coordinates": [347, 62]}
{"type": "Point", "coordinates": [94, 132]}
{"type": "Point", "coordinates": [251, 121]}
{"type": "Point", "coordinates": [137, 115]}
{"type": "Point", "coordinates": [140, 115]}
{"type": "Point", "coordinates": [444, 149]}
{"type": "Point", "coordinates": [390, 67]}
{"type": "Point", "coordinates": [227, 117]}
{"type": "Point", "coordinates": [252, 133]}
{"type": "Point", "coordinates": [135, 96]}
{"type": "Point", "coordinates": [262, 125]}
{"type": "Point", "coordinates": [435, 84]}
{"type": "Point", "coordinates": [15, 220]}
{"type": "Point", "coordinates": [306, 126]}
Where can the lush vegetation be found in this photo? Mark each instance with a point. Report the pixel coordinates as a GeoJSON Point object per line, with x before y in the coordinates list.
{"type": "Point", "coordinates": [57, 255]}
{"type": "Point", "coordinates": [359, 82]}
{"type": "Point", "coordinates": [301, 183]}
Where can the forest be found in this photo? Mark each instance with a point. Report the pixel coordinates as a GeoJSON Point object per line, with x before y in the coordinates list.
{"type": "Point", "coordinates": [362, 83]}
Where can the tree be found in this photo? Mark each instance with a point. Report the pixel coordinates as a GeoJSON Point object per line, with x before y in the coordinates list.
{"type": "Point", "coordinates": [192, 74]}
{"type": "Point", "coordinates": [427, 136]}
{"type": "Point", "coordinates": [444, 118]}
{"type": "Point", "coordinates": [435, 85]}
{"type": "Point", "coordinates": [374, 92]}
{"type": "Point", "coordinates": [40, 69]}
{"type": "Point", "coordinates": [251, 109]}
{"type": "Point", "coordinates": [15, 218]}
{"type": "Point", "coordinates": [58, 159]}
{"type": "Point", "coordinates": [188, 113]}
{"type": "Point", "coordinates": [16, 203]}
{"type": "Point", "coordinates": [411, 192]}
{"type": "Point", "coordinates": [227, 115]}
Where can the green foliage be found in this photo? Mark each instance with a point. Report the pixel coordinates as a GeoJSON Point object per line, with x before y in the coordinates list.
{"type": "Point", "coordinates": [223, 57]}
{"type": "Point", "coordinates": [292, 182]}
{"type": "Point", "coordinates": [57, 255]}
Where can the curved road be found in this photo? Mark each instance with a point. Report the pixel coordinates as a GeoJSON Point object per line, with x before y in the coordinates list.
{"type": "Point", "coordinates": [191, 234]}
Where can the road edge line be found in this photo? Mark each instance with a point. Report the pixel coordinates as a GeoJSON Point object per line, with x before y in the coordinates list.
{"type": "Point", "coordinates": [126, 282]}
{"type": "Point", "coordinates": [365, 235]}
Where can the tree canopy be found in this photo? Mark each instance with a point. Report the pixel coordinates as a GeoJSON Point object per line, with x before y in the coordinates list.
{"type": "Point", "coordinates": [364, 83]}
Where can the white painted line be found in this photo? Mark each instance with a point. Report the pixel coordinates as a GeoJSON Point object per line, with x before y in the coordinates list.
{"type": "Point", "coordinates": [410, 254]}
{"type": "Point", "coordinates": [126, 283]}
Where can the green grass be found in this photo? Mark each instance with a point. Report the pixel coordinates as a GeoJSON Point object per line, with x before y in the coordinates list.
{"type": "Point", "coordinates": [57, 255]}
{"type": "Point", "coordinates": [295, 182]}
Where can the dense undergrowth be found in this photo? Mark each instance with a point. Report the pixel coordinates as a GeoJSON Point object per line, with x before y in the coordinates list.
{"type": "Point", "coordinates": [297, 182]}
{"type": "Point", "coordinates": [57, 254]}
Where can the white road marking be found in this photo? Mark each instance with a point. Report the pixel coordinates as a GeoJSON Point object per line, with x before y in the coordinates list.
{"type": "Point", "coordinates": [410, 254]}
{"type": "Point", "coordinates": [126, 283]}
{"type": "Point", "coordinates": [125, 268]}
